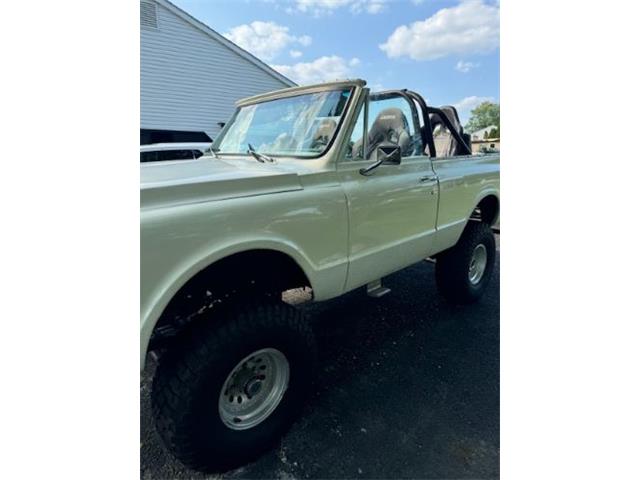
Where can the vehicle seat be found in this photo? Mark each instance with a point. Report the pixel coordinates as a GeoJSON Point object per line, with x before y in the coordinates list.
{"type": "Point", "coordinates": [390, 125]}
{"type": "Point", "coordinates": [442, 138]}
{"type": "Point", "coordinates": [445, 143]}
{"type": "Point", "coordinates": [323, 134]}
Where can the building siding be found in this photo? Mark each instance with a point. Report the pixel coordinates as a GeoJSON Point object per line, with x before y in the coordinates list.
{"type": "Point", "coordinates": [190, 80]}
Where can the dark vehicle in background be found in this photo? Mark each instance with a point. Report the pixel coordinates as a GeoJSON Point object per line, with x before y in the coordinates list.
{"type": "Point", "coordinates": [158, 152]}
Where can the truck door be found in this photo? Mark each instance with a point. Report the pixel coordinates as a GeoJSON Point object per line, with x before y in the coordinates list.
{"type": "Point", "coordinates": [392, 208]}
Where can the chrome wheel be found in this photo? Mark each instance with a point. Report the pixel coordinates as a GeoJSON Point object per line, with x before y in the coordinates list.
{"type": "Point", "coordinates": [478, 264]}
{"type": "Point", "coordinates": [253, 389]}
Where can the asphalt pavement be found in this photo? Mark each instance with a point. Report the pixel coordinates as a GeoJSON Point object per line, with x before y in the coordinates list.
{"type": "Point", "coordinates": [408, 387]}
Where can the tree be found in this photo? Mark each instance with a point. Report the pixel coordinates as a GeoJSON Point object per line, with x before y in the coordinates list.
{"type": "Point", "coordinates": [484, 115]}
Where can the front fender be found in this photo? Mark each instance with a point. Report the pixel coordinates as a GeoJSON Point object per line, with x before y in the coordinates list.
{"type": "Point", "coordinates": [310, 226]}
{"type": "Point", "coordinates": [326, 281]}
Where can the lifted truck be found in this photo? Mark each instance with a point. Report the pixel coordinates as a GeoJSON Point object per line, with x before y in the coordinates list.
{"type": "Point", "coordinates": [329, 187]}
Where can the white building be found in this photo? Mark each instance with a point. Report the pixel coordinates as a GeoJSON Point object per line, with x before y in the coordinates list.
{"type": "Point", "coordinates": [479, 134]}
{"type": "Point", "coordinates": [191, 76]}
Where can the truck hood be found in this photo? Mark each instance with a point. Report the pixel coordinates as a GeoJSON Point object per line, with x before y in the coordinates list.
{"type": "Point", "coordinates": [206, 179]}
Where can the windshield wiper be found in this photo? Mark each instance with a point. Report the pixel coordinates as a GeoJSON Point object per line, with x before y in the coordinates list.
{"type": "Point", "coordinates": [261, 157]}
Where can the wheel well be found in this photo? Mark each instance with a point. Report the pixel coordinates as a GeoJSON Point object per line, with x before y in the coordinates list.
{"type": "Point", "coordinates": [487, 210]}
{"type": "Point", "coordinates": [253, 273]}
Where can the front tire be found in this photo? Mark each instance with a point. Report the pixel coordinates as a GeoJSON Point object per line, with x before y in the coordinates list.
{"type": "Point", "coordinates": [231, 387]}
{"type": "Point", "coordinates": [463, 272]}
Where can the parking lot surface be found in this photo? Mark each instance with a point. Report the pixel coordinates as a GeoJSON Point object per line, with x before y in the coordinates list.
{"type": "Point", "coordinates": [408, 387]}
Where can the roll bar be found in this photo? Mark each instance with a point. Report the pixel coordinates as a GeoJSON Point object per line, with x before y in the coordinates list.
{"type": "Point", "coordinates": [426, 132]}
{"type": "Point", "coordinates": [426, 111]}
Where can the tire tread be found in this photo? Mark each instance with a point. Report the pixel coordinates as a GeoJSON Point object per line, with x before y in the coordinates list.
{"type": "Point", "coordinates": [452, 265]}
{"type": "Point", "coordinates": [186, 362]}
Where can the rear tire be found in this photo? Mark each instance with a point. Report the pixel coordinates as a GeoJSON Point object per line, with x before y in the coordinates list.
{"type": "Point", "coordinates": [192, 377]}
{"type": "Point", "coordinates": [464, 271]}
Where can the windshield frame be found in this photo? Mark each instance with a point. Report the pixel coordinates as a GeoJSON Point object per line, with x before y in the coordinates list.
{"type": "Point", "coordinates": [332, 88]}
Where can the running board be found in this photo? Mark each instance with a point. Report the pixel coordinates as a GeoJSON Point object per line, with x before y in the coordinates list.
{"type": "Point", "coordinates": [376, 290]}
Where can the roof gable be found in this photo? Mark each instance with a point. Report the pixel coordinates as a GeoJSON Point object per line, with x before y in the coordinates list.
{"type": "Point", "coordinates": [225, 41]}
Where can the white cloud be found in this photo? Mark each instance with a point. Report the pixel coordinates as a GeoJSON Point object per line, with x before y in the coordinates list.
{"type": "Point", "coordinates": [465, 67]}
{"type": "Point", "coordinates": [265, 39]}
{"type": "Point", "coordinates": [469, 103]}
{"type": "Point", "coordinates": [295, 53]}
{"type": "Point", "coordinates": [305, 5]}
{"type": "Point", "coordinates": [304, 40]}
{"type": "Point", "coordinates": [326, 7]}
{"type": "Point", "coordinates": [372, 6]}
{"type": "Point", "coordinates": [323, 69]}
{"type": "Point", "coordinates": [471, 27]}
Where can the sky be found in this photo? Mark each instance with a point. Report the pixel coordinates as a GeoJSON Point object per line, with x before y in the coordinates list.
{"type": "Point", "coordinates": [448, 51]}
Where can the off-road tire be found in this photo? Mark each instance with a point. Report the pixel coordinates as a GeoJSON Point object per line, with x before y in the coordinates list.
{"type": "Point", "coordinates": [452, 265]}
{"type": "Point", "coordinates": [190, 376]}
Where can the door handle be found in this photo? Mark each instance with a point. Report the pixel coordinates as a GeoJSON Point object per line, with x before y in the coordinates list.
{"type": "Point", "coordinates": [429, 178]}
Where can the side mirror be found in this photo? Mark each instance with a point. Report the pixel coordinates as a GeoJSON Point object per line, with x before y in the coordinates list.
{"type": "Point", "coordinates": [388, 153]}
{"type": "Point", "coordinates": [384, 154]}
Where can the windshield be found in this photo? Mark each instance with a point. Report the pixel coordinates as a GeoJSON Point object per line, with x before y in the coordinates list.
{"type": "Point", "coordinates": [301, 126]}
